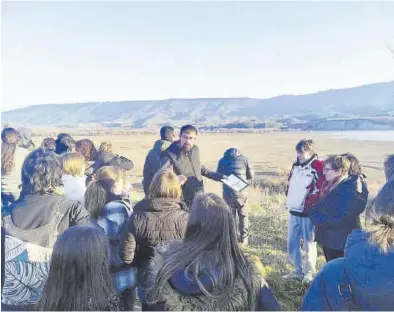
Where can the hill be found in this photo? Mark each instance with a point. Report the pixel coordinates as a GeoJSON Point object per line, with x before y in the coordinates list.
{"type": "Point", "coordinates": [282, 111]}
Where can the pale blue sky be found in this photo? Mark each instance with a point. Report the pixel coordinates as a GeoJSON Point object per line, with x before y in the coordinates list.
{"type": "Point", "coordinates": [58, 52]}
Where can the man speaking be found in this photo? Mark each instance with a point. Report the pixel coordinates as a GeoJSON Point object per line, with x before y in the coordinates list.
{"type": "Point", "coordinates": [183, 157]}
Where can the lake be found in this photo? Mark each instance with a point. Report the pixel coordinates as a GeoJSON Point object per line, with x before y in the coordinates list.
{"type": "Point", "coordinates": [363, 135]}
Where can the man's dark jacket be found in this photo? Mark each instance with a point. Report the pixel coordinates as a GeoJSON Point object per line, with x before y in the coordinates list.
{"type": "Point", "coordinates": [189, 165]}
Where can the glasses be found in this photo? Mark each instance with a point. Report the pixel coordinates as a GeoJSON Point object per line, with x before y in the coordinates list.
{"type": "Point", "coordinates": [327, 169]}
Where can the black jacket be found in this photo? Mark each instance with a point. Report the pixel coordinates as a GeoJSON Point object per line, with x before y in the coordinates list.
{"type": "Point", "coordinates": [33, 211]}
{"type": "Point", "coordinates": [337, 214]}
{"type": "Point", "coordinates": [154, 222]}
{"type": "Point", "coordinates": [152, 163]}
{"type": "Point", "coordinates": [189, 165]}
{"type": "Point", "coordinates": [110, 159]}
{"type": "Point", "coordinates": [235, 163]}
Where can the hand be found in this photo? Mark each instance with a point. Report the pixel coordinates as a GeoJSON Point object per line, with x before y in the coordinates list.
{"type": "Point", "coordinates": [182, 179]}
{"type": "Point", "coordinates": [224, 177]}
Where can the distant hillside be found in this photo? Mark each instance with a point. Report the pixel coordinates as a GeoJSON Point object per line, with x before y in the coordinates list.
{"type": "Point", "coordinates": [282, 111]}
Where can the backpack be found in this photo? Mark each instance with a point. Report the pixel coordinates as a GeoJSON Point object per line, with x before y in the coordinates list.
{"type": "Point", "coordinates": [26, 264]}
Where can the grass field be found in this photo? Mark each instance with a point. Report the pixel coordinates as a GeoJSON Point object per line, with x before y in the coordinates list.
{"type": "Point", "coordinates": [271, 154]}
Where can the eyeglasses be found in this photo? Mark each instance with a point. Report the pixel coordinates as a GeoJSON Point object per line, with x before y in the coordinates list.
{"type": "Point", "coordinates": [327, 169]}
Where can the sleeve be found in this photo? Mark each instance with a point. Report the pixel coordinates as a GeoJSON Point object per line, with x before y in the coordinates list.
{"type": "Point", "coordinates": [146, 171]}
{"type": "Point", "coordinates": [323, 293]}
{"type": "Point", "coordinates": [220, 167]}
{"type": "Point", "coordinates": [211, 174]}
{"type": "Point", "coordinates": [78, 214]}
{"type": "Point", "coordinates": [267, 300]}
{"type": "Point", "coordinates": [249, 170]}
{"type": "Point", "coordinates": [121, 162]}
{"type": "Point", "coordinates": [165, 162]}
{"type": "Point", "coordinates": [288, 179]}
{"type": "Point", "coordinates": [129, 243]}
{"type": "Point", "coordinates": [316, 299]}
{"type": "Point", "coordinates": [336, 209]}
{"type": "Point", "coordinates": [314, 189]}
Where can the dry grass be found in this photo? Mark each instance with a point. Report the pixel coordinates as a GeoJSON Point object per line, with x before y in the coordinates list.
{"type": "Point", "coordinates": [271, 154]}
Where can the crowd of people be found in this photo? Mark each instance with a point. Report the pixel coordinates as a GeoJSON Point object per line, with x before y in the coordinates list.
{"type": "Point", "coordinates": [72, 239]}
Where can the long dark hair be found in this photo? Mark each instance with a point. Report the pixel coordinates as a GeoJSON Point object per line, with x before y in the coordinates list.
{"type": "Point", "coordinates": [210, 247]}
{"type": "Point", "coordinates": [79, 278]}
{"type": "Point", "coordinates": [9, 138]}
{"type": "Point", "coordinates": [99, 191]}
{"type": "Point", "coordinates": [86, 148]}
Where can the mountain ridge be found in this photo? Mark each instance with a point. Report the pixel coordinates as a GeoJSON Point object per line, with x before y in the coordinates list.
{"type": "Point", "coordinates": [363, 101]}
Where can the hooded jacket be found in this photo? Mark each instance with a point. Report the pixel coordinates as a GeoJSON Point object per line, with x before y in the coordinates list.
{"type": "Point", "coordinates": [189, 165]}
{"type": "Point", "coordinates": [365, 271]}
{"type": "Point", "coordinates": [152, 163]}
{"type": "Point", "coordinates": [235, 163]}
{"type": "Point", "coordinates": [155, 222]}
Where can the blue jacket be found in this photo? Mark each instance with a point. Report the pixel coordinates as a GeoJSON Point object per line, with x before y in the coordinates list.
{"type": "Point", "coordinates": [369, 273]}
{"type": "Point", "coordinates": [336, 215]}
{"type": "Point", "coordinates": [187, 288]}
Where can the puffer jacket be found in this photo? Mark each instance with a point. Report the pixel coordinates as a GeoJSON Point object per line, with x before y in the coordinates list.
{"type": "Point", "coordinates": [235, 163]}
{"type": "Point", "coordinates": [152, 163]}
{"type": "Point", "coordinates": [154, 223]}
{"type": "Point", "coordinates": [363, 280]}
{"type": "Point", "coordinates": [337, 214]}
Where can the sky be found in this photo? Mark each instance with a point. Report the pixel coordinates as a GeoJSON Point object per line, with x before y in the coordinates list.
{"type": "Point", "coordinates": [71, 52]}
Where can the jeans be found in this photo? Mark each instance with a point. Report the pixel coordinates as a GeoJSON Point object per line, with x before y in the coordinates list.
{"type": "Point", "coordinates": [239, 206]}
{"type": "Point", "coordinates": [301, 228]}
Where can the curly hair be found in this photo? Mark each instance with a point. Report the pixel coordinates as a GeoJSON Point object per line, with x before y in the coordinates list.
{"type": "Point", "coordinates": [86, 148]}
{"type": "Point", "coordinates": [41, 173]}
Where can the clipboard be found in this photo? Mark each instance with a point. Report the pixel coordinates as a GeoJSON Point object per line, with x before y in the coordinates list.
{"type": "Point", "coordinates": [237, 184]}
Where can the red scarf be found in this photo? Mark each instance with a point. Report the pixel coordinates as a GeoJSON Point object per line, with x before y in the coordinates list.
{"type": "Point", "coordinates": [328, 186]}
